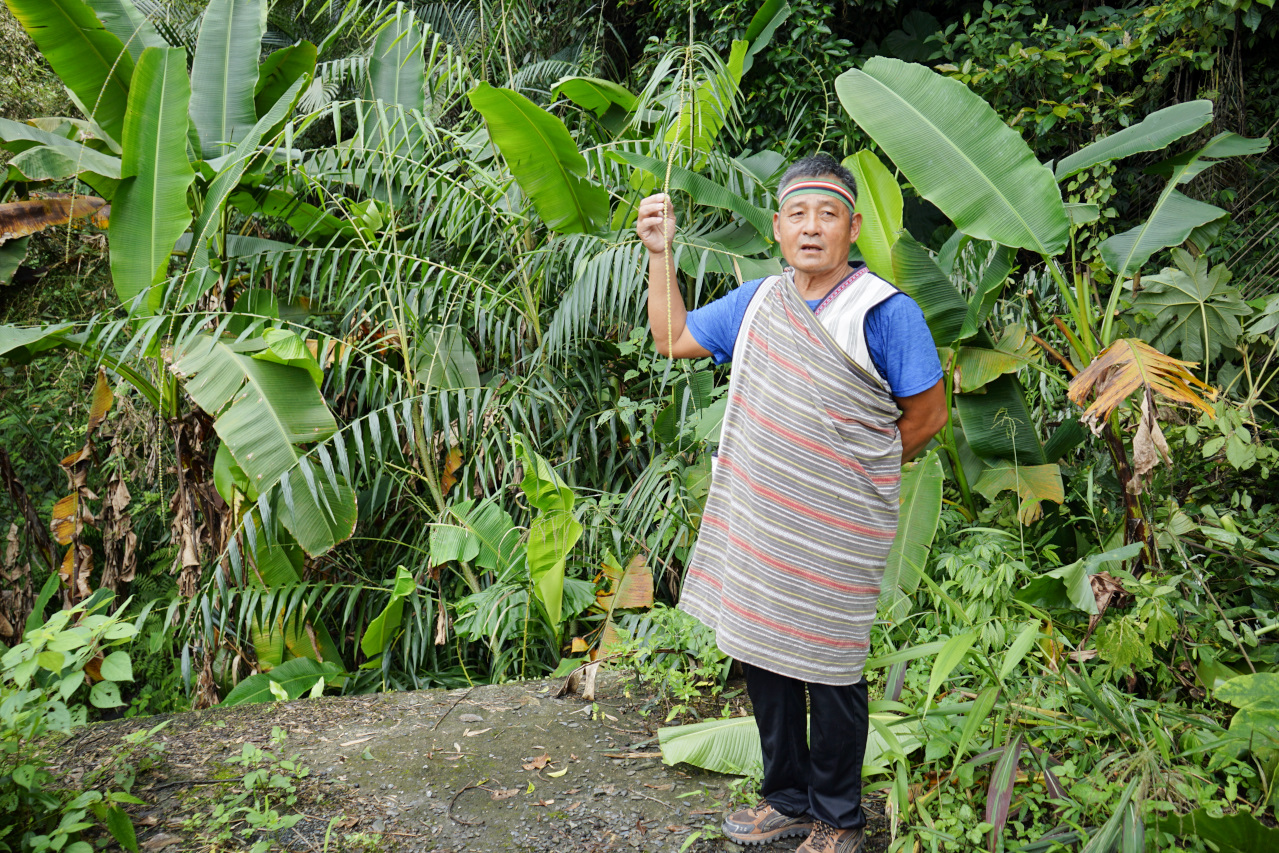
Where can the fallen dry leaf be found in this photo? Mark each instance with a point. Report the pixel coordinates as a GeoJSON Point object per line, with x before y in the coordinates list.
{"type": "Point", "coordinates": [469, 733]}
{"type": "Point", "coordinates": [669, 786]}
{"type": "Point", "coordinates": [160, 841]}
{"type": "Point", "coordinates": [677, 827]}
{"type": "Point", "coordinates": [545, 802]}
{"type": "Point", "coordinates": [504, 793]}
{"type": "Point", "coordinates": [538, 763]}
{"type": "Point", "coordinates": [705, 811]}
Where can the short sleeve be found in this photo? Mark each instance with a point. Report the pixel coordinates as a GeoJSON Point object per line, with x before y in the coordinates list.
{"type": "Point", "coordinates": [715, 325]}
{"type": "Point", "coordinates": [901, 346]}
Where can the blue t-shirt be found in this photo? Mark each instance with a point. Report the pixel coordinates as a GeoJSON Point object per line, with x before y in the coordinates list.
{"type": "Point", "coordinates": [898, 338]}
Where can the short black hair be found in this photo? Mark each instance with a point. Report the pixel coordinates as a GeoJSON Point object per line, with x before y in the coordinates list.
{"type": "Point", "coordinates": [819, 166]}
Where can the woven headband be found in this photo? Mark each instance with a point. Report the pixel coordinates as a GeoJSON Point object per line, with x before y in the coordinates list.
{"type": "Point", "coordinates": [826, 188]}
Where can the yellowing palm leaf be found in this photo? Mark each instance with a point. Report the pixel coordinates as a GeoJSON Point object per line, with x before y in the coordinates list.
{"type": "Point", "coordinates": [1032, 483]}
{"type": "Point", "coordinates": [1125, 366]}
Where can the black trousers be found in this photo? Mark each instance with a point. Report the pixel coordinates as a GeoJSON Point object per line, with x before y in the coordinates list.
{"type": "Point", "coordinates": [822, 778]}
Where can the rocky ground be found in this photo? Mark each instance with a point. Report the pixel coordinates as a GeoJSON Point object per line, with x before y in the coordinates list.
{"type": "Point", "coordinates": [492, 768]}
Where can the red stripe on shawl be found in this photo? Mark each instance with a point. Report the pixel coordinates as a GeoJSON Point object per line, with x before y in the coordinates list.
{"type": "Point", "coordinates": [792, 631]}
{"type": "Point", "coordinates": [788, 568]}
{"type": "Point", "coordinates": [816, 447]}
{"type": "Point", "coordinates": [802, 509]}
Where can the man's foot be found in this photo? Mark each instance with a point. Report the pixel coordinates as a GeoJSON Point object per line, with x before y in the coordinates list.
{"type": "Point", "coordinates": [827, 839]}
{"type": "Point", "coordinates": [763, 824]}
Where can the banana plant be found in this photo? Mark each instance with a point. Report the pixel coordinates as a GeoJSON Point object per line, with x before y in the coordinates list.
{"type": "Point", "coordinates": [956, 152]}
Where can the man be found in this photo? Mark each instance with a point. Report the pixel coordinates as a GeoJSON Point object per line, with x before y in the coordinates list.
{"type": "Point", "coordinates": [835, 383]}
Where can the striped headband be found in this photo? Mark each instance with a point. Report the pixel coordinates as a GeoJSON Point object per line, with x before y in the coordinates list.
{"type": "Point", "coordinates": [828, 188]}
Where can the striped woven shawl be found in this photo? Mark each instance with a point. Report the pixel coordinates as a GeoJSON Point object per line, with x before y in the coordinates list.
{"type": "Point", "coordinates": [803, 502]}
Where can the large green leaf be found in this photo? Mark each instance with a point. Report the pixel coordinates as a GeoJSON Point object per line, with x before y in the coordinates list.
{"type": "Point", "coordinates": [278, 75]}
{"type": "Point", "coordinates": [1068, 586]}
{"type": "Point", "coordinates": [90, 59]}
{"type": "Point", "coordinates": [484, 533]}
{"type": "Point", "coordinates": [879, 201]}
{"type": "Point", "coordinates": [703, 190]}
{"type": "Point", "coordinates": [21, 137]}
{"type": "Point", "coordinates": [721, 746]}
{"type": "Point", "coordinates": [732, 746]}
{"type": "Point", "coordinates": [264, 410]}
{"type": "Point", "coordinates": [149, 212]}
{"type": "Point", "coordinates": [396, 67]}
{"type": "Point", "coordinates": [129, 25]}
{"type": "Point", "coordinates": [594, 94]}
{"type": "Point", "coordinates": [998, 425]}
{"type": "Point", "coordinates": [1154, 132]}
{"type": "Point", "coordinates": [921, 489]}
{"type": "Point", "coordinates": [382, 630]}
{"type": "Point", "coordinates": [553, 532]}
{"type": "Point", "coordinates": [1170, 223]}
{"type": "Point", "coordinates": [1032, 483]}
{"type": "Point", "coordinates": [1191, 307]}
{"type": "Point", "coordinates": [919, 277]}
{"type": "Point", "coordinates": [295, 677]}
{"type": "Point", "coordinates": [759, 32]}
{"type": "Point", "coordinates": [551, 537]}
{"type": "Point", "coordinates": [1240, 832]}
{"type": "Point", "coordinates": [224, 182]}
{"type": "Point", "coordinates": [224, 74]}
{"type": "Point", "coordinates": [1175, 216]}
{"type": "Point", "coordinates": [977, 366]}
{"type": "Point", "coordinates": [317, 509]}
{"type": "Point", "coordinates": [544, 160]}
{"type": "Point", "coordinates": [958, 153]}
{"type": "Point", "coordinates": [544, 488]}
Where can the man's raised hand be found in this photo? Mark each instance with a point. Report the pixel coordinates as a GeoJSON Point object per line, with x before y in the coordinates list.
{"type": "Point", "coordinates": [655, 230]}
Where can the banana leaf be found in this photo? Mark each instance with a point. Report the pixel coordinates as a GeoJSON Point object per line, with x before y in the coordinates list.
{"type": "Point", "coordinates": [129, 25]}
{"type": "Point", "coordinates": [294, 677]}
{"type": "Point", "coordinates": [594, 94]}
{"type": "Point", "coordinates": [958, 153]}
{"type": "Point", "coordinates": [1175, 216]}
{"type": "Point", "coordinates": [921, 490]}
{"type": "Point", "coordinates": [396, 68]}
{"type": "Point", "coordinates": [263, 428]}
{"type": "Point", "coordinates": [879, 201]}
{"type": "Point", "coordinates": [1154, 132]}
{"type": "Point", "coordinates": [998, 425]}
{"type": "Point", "coordinates": [20, 137]}
{"type": "Point", "coordinates": [149, 212]}
{"type": "Point", "coordinates": [544, 160]}
{"type": "Point", "coordinates": [224, 74]}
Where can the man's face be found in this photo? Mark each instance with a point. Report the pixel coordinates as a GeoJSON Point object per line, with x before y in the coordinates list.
{"type": "Point", "coordinates": [815, 232]}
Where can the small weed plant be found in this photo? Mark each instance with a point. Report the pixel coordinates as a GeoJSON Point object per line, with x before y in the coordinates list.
{"type": "Point", "coordinates": [260, 807]}
{"type": "Point", "coordinates": [43, 685]}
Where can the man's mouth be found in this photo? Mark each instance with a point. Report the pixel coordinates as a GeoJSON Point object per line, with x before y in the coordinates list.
{"type": "Point", "coordinates": [810, 247]}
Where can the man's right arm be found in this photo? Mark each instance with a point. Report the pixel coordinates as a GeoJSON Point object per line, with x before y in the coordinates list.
{"type": "Point", "coordinates": [655, 226]}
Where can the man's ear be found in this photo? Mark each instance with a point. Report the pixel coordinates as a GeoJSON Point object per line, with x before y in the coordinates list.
{"type": "Point", "coordinates": [854, 227]}
{"type": "Point", "coordinates": [777, 234]}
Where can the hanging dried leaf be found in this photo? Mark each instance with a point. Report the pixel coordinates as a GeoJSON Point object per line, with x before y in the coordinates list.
{"type": "Point", "coordinates": [119, 542]}
{"type": "Point", "coordinates": [1125, 366]}
{"type": "Point", "coordinates": [626, 588]}
{"type": "Point", "coordinates": [1032, 483]}
{"type": "Point", "coordinates": [66, 518]}
{"type": "Point", "coordinates": [17, 597]}
{"type": "Point", "coordinates": [102, 400]}
{"type": "Point", "coordinates": [21, 218]}
{"type": "Point", "coordinates": [441, 627]}
{"type": "Point", "coordinates": [35, 525]}
{"type": "Point", "coordinates": [579, 646]}
{"type": "Point", "coordinates": [448, 474]}
{"type": "Point", "coordinates": [1148, 446]}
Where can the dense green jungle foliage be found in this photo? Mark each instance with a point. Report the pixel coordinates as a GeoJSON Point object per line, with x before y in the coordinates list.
{"type": "Point", "coordinates": [325, 356]}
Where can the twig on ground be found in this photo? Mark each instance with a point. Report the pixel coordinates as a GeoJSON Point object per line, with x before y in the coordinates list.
{"type": "Point", "coordinates": [456, 702]}
{"type": "Point", "coordinates": [460, 792]}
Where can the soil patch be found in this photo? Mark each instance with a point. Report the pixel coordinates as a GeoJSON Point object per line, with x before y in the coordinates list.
{"type": "Point", "coordinates": [491, 768]}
